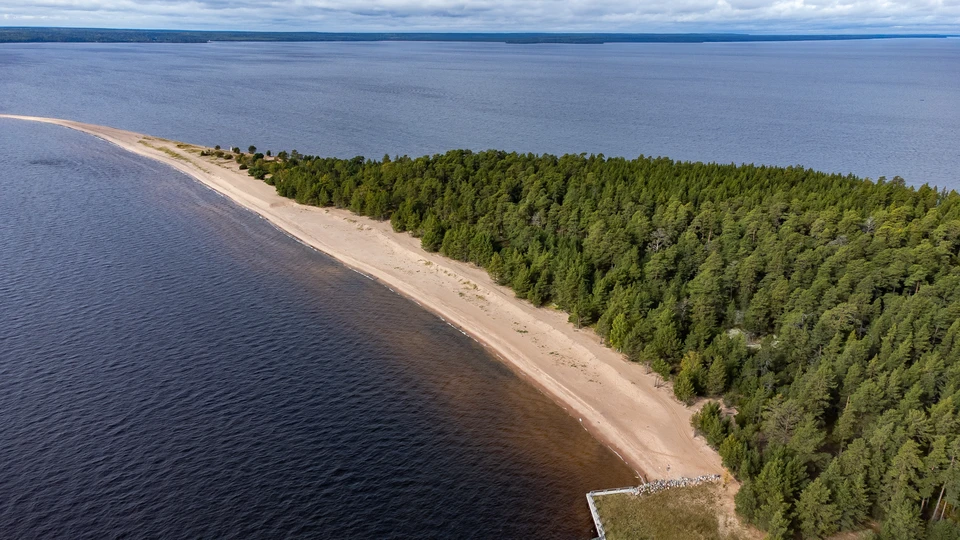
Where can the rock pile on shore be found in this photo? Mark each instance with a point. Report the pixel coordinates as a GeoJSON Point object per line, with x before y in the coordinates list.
{"type": "Point", "coordinates": [659, 485]}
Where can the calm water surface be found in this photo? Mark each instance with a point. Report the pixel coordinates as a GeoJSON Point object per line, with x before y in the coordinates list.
{"type": "Point", "coordinates": [173, 366]}
{"type": "Point", "coordinates": [887, 107]}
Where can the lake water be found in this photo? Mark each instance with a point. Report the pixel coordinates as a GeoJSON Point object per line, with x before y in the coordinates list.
{"type": "Point", "coordinates": [172, 365]}
{"type": "Point", "coordinates": [885, 107]}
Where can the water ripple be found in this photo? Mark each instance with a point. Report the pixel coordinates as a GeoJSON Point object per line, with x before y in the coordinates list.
{"type": "Point", "coordinates": [172, 366]}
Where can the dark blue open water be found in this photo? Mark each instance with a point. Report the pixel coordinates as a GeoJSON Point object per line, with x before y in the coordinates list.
{"type": "Point", "coordinates": [873, 108]}
{"type": "Point", "coordinates": [172, 366]}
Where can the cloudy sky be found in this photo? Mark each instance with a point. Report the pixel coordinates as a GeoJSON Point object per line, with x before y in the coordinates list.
{"type": "Point", "coordinates": [760, 16]}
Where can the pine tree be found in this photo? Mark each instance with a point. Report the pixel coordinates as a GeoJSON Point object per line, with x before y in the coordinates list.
{"type": "Point", "coordinates": [661, 368]}
{"type": "Point", "coordinates": [903, 476]}
{"type": "Point", "coordinates": [618, 332]}
{"type": "Point", "coordinates": [746, 501]}
{"type": "Point", "coordinates": [717, 377]}
{"type": "Point", "coordinates": [902, 521]}
{"type": "Point", "coordinates": [779, 526]}
{"type": "Point", "coordinates": [818, 517]}
{"type": "Point", "coordinates": [732, 451]}
{"type": "Point", "coordinates": [683, 387]}
{"type": "Point", "coordinates": [433, 234]}
{"type": "Point", "coordinates": [496, 268]}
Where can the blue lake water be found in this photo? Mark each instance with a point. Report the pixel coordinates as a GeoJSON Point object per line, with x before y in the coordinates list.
{"type": "Point", "coordinates": [173, 366]}
{"type": "Point", "coordinates": [873, 108]}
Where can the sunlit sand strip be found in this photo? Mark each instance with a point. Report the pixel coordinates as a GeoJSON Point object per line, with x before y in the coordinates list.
{"type": "Point", "coordinates": [617, 401]}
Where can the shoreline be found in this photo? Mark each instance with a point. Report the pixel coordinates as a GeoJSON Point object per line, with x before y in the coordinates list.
{"type": "Point", "coordinates": [615, 400]}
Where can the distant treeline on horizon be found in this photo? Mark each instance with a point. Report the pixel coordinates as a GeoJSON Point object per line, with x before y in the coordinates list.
{"type": "Point", "coordinates": [102, 35]}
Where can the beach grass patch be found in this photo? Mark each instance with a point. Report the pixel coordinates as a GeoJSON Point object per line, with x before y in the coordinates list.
{"type": "Point", "coordinates": [687, 513]}
{"type": "Point", "coordinates": [163, 149]}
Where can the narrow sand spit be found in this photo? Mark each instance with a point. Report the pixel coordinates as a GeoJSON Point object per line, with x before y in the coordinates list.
{"type": "Point", "coordinates": [614, 399]}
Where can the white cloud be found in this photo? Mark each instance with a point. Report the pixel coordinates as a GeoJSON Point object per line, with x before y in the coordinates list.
{"type": "Point", "coordinates": [488, 15]}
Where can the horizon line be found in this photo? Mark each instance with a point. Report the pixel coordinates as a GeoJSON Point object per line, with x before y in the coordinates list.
{"type": "Point", "coordinates": [846, 33]}
{"type": "Point", "coordinates": [63, 34]}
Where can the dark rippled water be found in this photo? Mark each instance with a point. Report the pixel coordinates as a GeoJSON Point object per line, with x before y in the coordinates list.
{"type": "Point", "coordinates": [872, 108]}
{"type": "Point", "coordinates": [173, 366]}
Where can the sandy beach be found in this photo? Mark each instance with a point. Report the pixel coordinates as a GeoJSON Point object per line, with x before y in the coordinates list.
{"type": "Point", "coordinates": [614, 399]}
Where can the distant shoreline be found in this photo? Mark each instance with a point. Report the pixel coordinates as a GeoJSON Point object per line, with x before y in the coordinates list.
{"type": "Point", "coordinates": [616, 400]}
{"type": "Point", "coordinates": [109, 35]}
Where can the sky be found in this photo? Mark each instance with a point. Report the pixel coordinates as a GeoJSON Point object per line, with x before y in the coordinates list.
{"type": "Point", "coordinates": [756, 16]}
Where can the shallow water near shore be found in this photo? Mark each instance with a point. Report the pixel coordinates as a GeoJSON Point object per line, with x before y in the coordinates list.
{"type": "Point", "coordinates": [172, 365]}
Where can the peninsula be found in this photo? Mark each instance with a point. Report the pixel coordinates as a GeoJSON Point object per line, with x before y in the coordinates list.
{"type": "Point", "coordinates": [806, 324]}
{"type": "Point", "coordinates": [817, 312]}
{"type": "Point", "coordinates": [617, 401]}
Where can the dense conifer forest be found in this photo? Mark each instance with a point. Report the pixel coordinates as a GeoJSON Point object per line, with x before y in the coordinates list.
{"type": "Point", "coordinates": [819, 314]}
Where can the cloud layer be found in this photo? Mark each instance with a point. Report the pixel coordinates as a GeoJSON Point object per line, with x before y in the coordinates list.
{"type": "Point", "coordinates": [801, 16]}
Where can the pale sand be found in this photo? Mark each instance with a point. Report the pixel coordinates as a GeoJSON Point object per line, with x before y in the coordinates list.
{"type": "Point", "coordinates": [615, 400]}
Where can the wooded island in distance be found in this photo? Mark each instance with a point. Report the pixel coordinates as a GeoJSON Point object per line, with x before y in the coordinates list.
{"type": "Point", "coordinates": [822, 310]}
{"type": "Point", "coordinates": [110, 35]}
